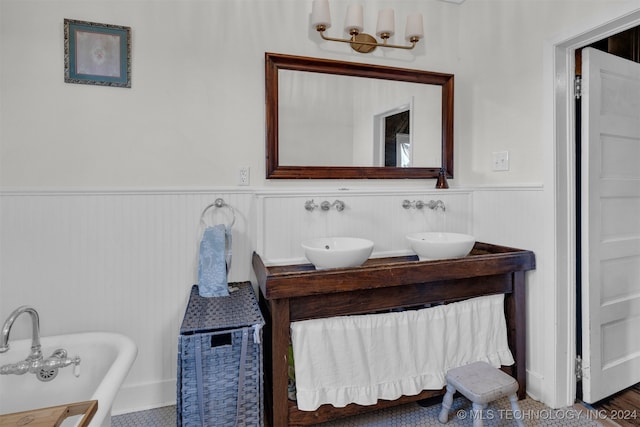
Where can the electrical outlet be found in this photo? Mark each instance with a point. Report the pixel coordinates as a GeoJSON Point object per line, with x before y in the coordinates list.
{"type": "Point", "coordinates": [500, 161]}
{"type": "Point", "coordinates": [243, 175]}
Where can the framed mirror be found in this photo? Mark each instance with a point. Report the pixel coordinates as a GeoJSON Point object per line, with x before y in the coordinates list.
{"type": "Point", "coordinates": [330, 119]}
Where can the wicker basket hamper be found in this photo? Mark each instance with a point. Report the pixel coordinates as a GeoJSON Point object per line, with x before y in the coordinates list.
{"type": "Point", "coordinates": [219, 378]}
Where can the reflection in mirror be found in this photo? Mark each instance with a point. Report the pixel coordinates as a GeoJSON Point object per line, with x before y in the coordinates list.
{"type": "Point", "coordinates": [330, 119]}
{"type": "Point", "coordinates": [397, 140]}
{"type": "Point", "coordinates": [392, 137]}
{"type": "Point", "coordinates": [403, 153]}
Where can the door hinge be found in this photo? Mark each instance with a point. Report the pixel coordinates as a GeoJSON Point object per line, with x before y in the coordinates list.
{"type": "Point", "coordinates": [577, 87]}
{"type": "Point", "coordinates": [578, 368]}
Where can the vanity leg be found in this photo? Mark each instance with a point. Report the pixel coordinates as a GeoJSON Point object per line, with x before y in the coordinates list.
{"type": "Point", "coordinates": [516, 307]}
{"type": "Point", "coordinates": [279, 362]}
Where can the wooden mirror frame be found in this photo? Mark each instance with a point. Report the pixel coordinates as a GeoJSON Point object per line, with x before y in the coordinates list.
{"type": "Point", "coordinates": [275, 62]}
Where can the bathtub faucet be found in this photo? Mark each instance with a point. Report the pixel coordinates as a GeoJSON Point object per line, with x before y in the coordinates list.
{"type": "Point", "coordinates": [36, 353]}
{"type": "Point", "coordinates": [45, 369]}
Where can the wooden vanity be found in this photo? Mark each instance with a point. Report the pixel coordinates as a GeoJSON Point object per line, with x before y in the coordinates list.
{"type": "Point", "coordinates": [299, 292]}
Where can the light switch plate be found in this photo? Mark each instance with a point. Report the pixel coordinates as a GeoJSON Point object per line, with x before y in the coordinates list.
{"type": "Point", "coordinates": [500, 161]}
{"type": "Point", "coordinates": [243, 175]}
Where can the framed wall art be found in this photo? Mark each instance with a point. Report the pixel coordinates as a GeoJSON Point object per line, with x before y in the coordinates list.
{"type": "Point", "coordinates": [97, 54]}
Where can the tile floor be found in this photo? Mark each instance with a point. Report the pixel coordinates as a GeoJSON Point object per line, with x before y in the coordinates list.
{"type": "Point", "coordinates": [498, 414]}
{"type": "Point", "coordinates": [160, 417]}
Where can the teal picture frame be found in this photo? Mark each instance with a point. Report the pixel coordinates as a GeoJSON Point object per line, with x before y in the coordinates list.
{"type": "Point", "coordinates": [97, 54]}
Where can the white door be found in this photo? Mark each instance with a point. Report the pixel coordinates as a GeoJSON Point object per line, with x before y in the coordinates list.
{"type": "Point", "coordinates": [611, 224]}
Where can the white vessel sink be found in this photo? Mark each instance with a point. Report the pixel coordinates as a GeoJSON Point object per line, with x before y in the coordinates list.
{"type": "Point", "coordinates": [337, 252]}
{"type": "Point", "coordinates": [435, 245]}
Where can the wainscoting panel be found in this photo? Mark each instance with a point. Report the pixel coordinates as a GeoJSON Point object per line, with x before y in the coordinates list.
{"type": "Point", "coordinates": [284, 223]}
{"type": "Point", "coordinates": [124, 261]}
{"type": "Point", "coordinates": [515, 217]}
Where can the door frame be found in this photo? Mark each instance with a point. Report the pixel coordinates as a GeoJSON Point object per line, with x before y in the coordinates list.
{"type": "Point", "coordinates": [560, 177]}
{"type": "Point", "coordinates": [379, 129]}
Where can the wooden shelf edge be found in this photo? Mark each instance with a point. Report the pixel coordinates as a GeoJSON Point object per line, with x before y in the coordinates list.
{"type": "Point", "coordinates": [52, 415]}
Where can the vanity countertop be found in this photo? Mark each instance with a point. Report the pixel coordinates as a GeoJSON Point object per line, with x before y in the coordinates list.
{"type": "Point", "coordinates": [299, 280]}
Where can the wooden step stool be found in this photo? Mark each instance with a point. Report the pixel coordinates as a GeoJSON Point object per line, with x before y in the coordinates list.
{"type": "Point", "coordinates": [481, 383]}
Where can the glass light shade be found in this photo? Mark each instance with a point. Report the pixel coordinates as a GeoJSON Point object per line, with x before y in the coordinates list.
{"type": "Point", "coordinates": [320, 14]}
{"type": "Point", "coordinates": [414, 27]}
{"type": "Point", "coordinates": [354, 18]}
{"type": "Point", "coordinates": [386, 24]}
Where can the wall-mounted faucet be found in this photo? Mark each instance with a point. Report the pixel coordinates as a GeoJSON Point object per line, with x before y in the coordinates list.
{"type": "Point", "coordinates": [338, 204]}
{"type": "Point", "coordinates": [35, 331]}
{"type": "Point", "coordinates": [45, 370]}
{"type": "Point", "coordinates": [310, 205]}
{"type": "Point", "coordinates": [435, 205]}
{"type": "Point", "coordinates": [419, 204]}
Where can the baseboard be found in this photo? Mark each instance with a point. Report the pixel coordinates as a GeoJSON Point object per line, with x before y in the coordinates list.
{"type": "Point", "coordinates": [534, 385]}
{"type": "Point", "coordinates": [140, 397]}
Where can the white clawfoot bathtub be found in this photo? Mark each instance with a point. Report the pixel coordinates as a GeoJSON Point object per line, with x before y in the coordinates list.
{"type": "Point", "coordinates": [105, 362]}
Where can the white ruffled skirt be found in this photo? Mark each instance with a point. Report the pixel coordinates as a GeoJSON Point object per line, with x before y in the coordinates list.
{"type": "Point", "coordinates": [360, 359]}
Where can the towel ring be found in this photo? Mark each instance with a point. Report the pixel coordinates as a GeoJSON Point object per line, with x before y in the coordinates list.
{"type": "Point", "coordinates": [219, 203]}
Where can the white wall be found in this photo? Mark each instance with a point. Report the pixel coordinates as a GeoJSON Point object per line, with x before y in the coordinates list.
{"type": "Point", "coordinates": [101, 188]}
{"type": "Point", "coordinates": [195, 112]}
{"type": "Point", "coordinates": [500, 80]}
{"type": "Point", "coordinates": [109, 261]}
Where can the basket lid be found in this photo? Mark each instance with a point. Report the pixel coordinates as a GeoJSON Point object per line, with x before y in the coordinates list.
{"type": "Point", "coordinates": [239, 309]}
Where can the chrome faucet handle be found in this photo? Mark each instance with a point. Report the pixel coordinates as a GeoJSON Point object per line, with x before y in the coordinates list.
{"type": "Point", "coordinates": [326, 205]}
{"type": "Point", "coordinates": [310, 205]}
{"type": "Point", "coordinates": [436, 204]}
{"type": "Point", "coordinates": [44, 369]}
{"type": "Point", "coordinates": [418, 204]}
{"type": "Point", "coordinates": [61, 362]}
{"type": "Point", "coordinates": [60, 353]}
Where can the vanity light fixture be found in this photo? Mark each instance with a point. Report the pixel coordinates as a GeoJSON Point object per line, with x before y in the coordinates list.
{"type": "Point", "coordinates": [363, 42]}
